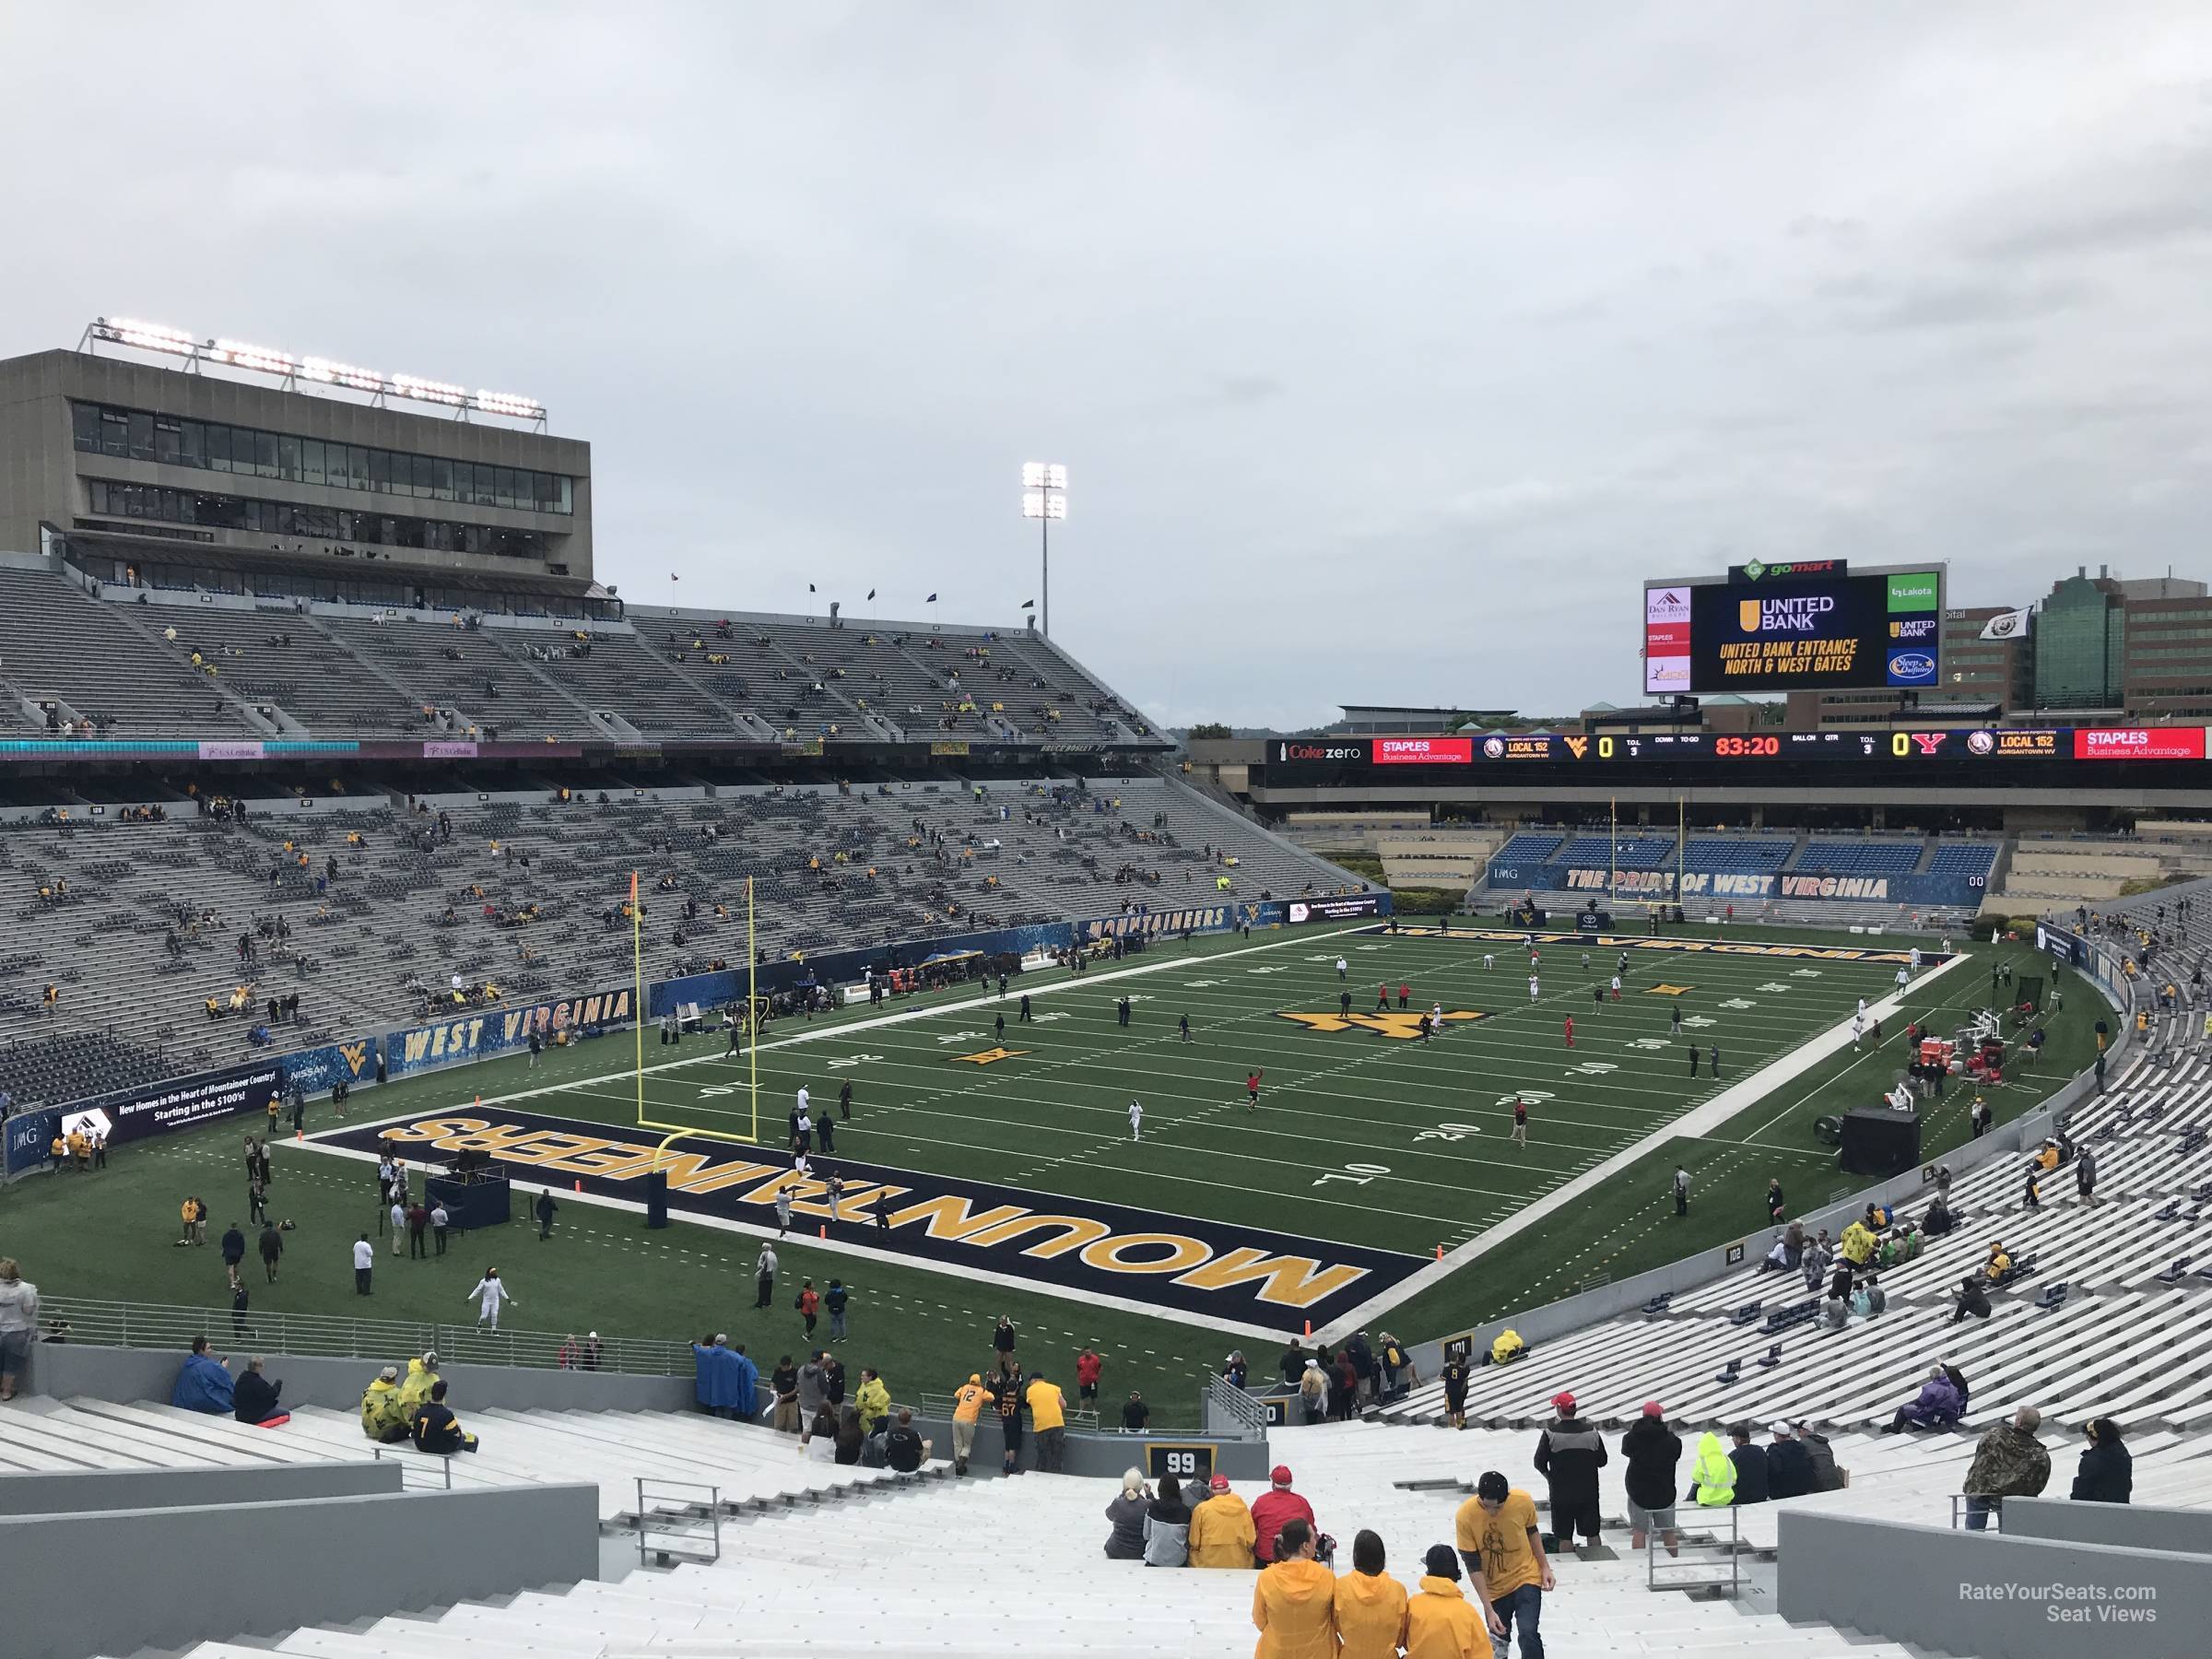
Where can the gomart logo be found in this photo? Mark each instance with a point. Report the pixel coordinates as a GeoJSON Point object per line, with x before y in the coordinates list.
{"type": "Point", "coordinates": [1798, 614]}
{"type": "Point", "coordinates": [1758, 572]}
{"type": "Point", "coordinates": [1399, 1026]}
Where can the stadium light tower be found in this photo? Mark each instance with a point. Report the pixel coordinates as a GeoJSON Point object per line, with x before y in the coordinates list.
{"type": "Point", "coordinates": [1044, 498]}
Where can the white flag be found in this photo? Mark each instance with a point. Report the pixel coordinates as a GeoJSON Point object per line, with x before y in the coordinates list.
{"type": "Point", "coordinates": [2006, 625]}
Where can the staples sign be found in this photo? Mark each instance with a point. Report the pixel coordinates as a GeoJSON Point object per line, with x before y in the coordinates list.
{"type": "Point", "coordinates": [2139, 743]}
{"type": "Point", "coordinates": [1423, 751]}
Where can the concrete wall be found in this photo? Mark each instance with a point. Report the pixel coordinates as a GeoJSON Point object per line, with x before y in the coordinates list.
{"type": "Point", "coordinates": [2124, 1525]}
{"type": "Point", "coordinates": [88, 1491]}
{"type": "Point", "coordinates": [68, 1369]}
{"type": "Point", "coordinates": [1997, 1597]}
{"type": "Point", "coordinates": [120, 1580]}
{"type": "Point", "coordinates": [1105, 1455]}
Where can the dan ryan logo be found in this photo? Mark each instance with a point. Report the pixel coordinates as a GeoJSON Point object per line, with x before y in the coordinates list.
{"type": "Point", "coordinates": [1399, 1025]}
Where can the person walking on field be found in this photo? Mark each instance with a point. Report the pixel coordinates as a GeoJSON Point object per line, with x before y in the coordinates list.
{"type": "Point", "coordinates": [1136, 1120]}
{"type": "Point", "coordinates": [1681, 1191]}
{"type": "Point", "coordinates": [1519, 1121]}
{"type": "Point", "coordinates": [1569, 1030]}
{"type": "Point", "coordinates": [546, 1208]}
{"type": "Point", "coordinates": [1252, 1091]}
{"type": "Point", "coordinates": [491, 1294]}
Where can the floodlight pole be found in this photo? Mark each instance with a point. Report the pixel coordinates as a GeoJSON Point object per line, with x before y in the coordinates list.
{"type": "Point", "coordinates": [1044, 531]}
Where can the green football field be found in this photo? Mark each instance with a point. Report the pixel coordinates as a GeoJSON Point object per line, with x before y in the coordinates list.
{"type": "Point", "coordinates": [1360, 1137]}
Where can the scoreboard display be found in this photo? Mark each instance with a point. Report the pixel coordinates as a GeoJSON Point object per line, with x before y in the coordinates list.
{"type": "Point", "coordinates": [1811, 626]}
{"type": "Point", "coordinates": [1987, 755]}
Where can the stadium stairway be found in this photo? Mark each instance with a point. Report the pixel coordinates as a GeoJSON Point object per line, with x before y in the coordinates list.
{"type": "Point", "coordinates": [752, 1467]}
{"type": "Point", "coordinates": [1012, 1566]}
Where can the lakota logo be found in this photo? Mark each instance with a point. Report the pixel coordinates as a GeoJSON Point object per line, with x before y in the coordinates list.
{"type": "Point", "coordinates": [1072, 1247]}
{"type": "Point", "coordinates": [990, 1055]}
{"type": "Point", "coordinates": [1399, 1026]}
{"type": "Point", "coordinates": [1800, 613]}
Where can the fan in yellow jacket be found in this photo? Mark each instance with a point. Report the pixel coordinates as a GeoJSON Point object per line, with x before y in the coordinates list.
{"type": "Point", "coordinates": [1221, 1530]}
{"type": "Point", "coordinates": [416, 1391]}
{"type": "Point", "coordinates": [382, 1418]}
{"type": "Point", "coordinates": [874, 1401]}
{"type": "Point", "coordinates": [1857, 1244]}
{"type": "Point", "coordinates": [1440, 1622]}
{"type": "Point", "coordinates": [1371, 1604]}
{"type": "Point", "coordinates": [1713, 1476]}
{"type": "Point", "coordinates": [1294, 1605]}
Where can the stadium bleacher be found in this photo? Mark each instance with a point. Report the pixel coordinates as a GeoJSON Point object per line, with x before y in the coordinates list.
{"type": "Point", "coordinates": [1859, 857]}
{"type": "Point", "coordinates": [1745, 853]}
{"type": "Point", "coordinates": [1625, 852]}
{"type": "Point", "coordinates": [359, 954]}
{"type": "Point", "coordinates": [1968, 861]}
{"type": "Point", "coordinates": [1530, 847]}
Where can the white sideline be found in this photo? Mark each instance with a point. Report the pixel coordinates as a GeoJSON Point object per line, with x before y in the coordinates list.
{"type": "Point", "coordinates": [1711, 1114]}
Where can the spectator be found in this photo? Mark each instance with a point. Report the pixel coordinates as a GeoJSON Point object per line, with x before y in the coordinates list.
{"type": "Point", "coordinates": [437, 1431]}
{"type": "Point", "coordinates": [1869, 1299]}
{"type": "Point", "coordinates": [1135, 1415]}
{"type": "Point", "coordinates": [415, 1393]}
{"type": "Point", "coordinates": [1002, 1340]}
{"type": "Point", "coordinates": [1503, 1550]}
{"type": "Point", "coordinates": [1090, 1368]}
{"type": "Point", "coordinates": [1274, 1507]}
{"type": "Point", "coordinates": [383, 1418]}
{"type": "Point", "coordinates": [253, 1399]}
{"type": "Point", "coordinates": [1652, 1451]}
{"type": "Point", "coordinates": [1827, 1478]}
{"type": "Point", "coordinates": [1712, 1476]}
{"type": "Point", "coordinates": [818, 1440]}
{"type": "Point", "coordinates": [903, 1449]}
{"type": "Point", "coordinates": [19, 1322]}
{"type": "Point", "coordinates": [2009, 1461]}
{"type": "Point", "coordinates": [1048, 1417]}
{"type": "Point", "coordinates": [718, 1376]}
{"type": "Point", "coordinates": [1937, 1405]}
{"type": "Point", "coordinates": [364, 1261]}
{"type": "Point", "coordinates": [967, 1406]}
{"type": "Point", "coordinates": [783, 1389]}
{"type": "Point", "coordinates": [1569, 1452]}
{"type": "Point", "coordinates": [234, 1250]}
{"type": "Point", "coordinates": [833, 1302]}
{"type": "Point", "coordinates": [1750, 1462]}
{"type": "Point", "coordinates": [440, 1221]}
{"type": "Point", "coordinates": [1371, 1604]}
{"type": "Point", "coordinates": [1167, 1527]}
{"type": "Point", "coordinates": [1313, 1391]}
{"type": "Point", "coordinates": [1789, 1465]}
{"type": "Point", "coordinates": [1294, 1605]}
{"type": "Point", "coordinates": [1234, 1368]}
{"type": "Point", "coordinates": [202, 1384]}
{"type": "Point", "coordinates": [814, 1388]}
{"type": "Point", "coordinates": [850, 1435]}
{"type": "Point", "coordinates": [1454, 1376]}
{"type": "Point", "coordinates": [874, 1399]}
{"type": "Point", "coordinates": [1006, 1395]}
{"type": "Point", "coordinates": [1440, 1620]}
{"type": "Point", "coordinates": [1972, 1300]}
{"type": "Point", "coordinates": [2107, 1474]}
{"type": "Point", "coordinates": [1221, 1530]}
{"type": "Point", "coordinates": [1125, 1520]}
{"type": "Point", "coordinates": [1292, 1364]}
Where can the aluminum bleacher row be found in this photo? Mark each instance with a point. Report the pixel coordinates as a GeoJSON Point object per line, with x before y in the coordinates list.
{"type": "Point", "coordinates": [353, 953]}
{"type": "Point", "coordinates": [282, 667]}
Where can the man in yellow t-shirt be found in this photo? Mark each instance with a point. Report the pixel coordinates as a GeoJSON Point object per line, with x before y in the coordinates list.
{"type": "Point", "coordinates": [1048, 1419]}
{"type": "Point", "coordinates": [966, 1404]}
{"type": "Point", "coordinates": [1500, 1539]}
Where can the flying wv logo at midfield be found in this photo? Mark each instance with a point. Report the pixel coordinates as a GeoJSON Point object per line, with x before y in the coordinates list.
{"type": "Point", "coordinates": [1399, 1027]}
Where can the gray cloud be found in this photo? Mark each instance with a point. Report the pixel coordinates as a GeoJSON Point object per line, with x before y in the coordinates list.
{"type": "Point", "coordinates": [1388, 351]}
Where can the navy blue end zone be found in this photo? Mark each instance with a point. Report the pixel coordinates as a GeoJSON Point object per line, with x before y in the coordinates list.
{"type": "Point", "coordinates": [1080, 1245]}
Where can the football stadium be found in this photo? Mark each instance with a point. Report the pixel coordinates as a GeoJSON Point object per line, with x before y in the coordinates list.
{"type": "Point", "coordinates": [1728, 1171]}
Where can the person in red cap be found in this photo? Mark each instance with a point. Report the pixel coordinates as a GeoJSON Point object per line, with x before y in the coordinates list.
{"type": "Point", "coordinates": [1569, 1452]}
{"type": "Point", "coordinates": [1273, 1507]}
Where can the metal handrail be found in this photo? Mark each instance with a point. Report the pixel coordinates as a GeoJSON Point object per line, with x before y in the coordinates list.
{"type": "Point", "coordinates": [409, 1466]}
{"type": "Point", "coordinates": [940, 1406]}
{"type": "Point", "coordinates": [161, 1325]}
{"type": "Point", "coordinates": [1222, 1400]}
{"type": "Point", "coordinates": [1733, 1545]}
{"type": "Point", "coordinates": [683, 1530]}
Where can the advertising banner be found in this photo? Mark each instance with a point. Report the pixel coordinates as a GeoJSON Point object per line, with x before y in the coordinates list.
{"type": "Point", "coordinates": [1423, 751]}
{"type": "Point", "coordinates": [475, 1032]}
{"type": "Point", "coordinates": [133, 1114]}
{"type": "Point", "coordinates": [2139, 743]}
{"type": "Point", "coordinates": [1347, 908]}
{"type": "Point", "coordinates": [27, 1137]}
{"type": "Point", "coordinates": [314, 1071]}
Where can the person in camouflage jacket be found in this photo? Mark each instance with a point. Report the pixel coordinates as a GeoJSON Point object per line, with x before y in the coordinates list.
{"type": "Point", "coordinates": [2008, 1463]}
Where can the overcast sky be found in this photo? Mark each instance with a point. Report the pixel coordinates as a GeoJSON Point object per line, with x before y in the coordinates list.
{"type": "Point", "coordinates": [1389, 348]}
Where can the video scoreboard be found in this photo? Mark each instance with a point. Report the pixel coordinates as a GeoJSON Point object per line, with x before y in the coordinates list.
{"type": "Point", "coordinates": [1815, 625]}
{"type": "Point", "coordinates": [1987, 755]}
